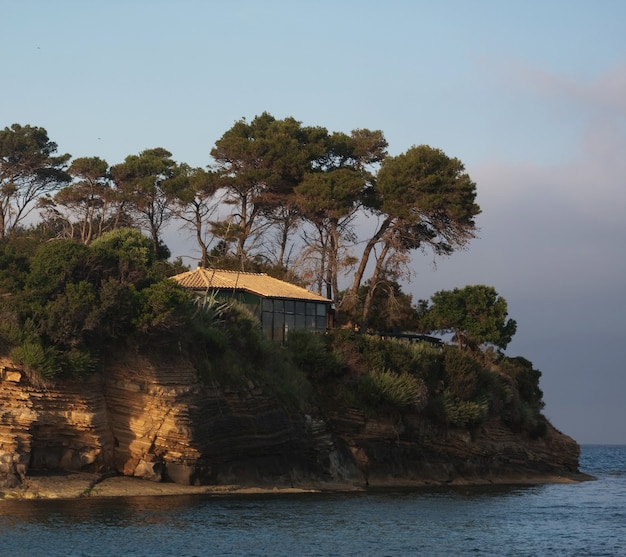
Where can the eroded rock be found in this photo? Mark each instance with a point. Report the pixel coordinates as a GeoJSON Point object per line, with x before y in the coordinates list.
{"type": "Point", "coordinates": [156, 421]}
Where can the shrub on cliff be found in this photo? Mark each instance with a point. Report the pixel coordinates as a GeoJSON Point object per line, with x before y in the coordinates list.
{"type": "Point", "coordinates": [314, 355]}
{"type": "Point", "coordinates": [67, 302]}
{"type": "Point", "coordinates": [396, 391]}
{"type": "Point", "coordinates": [452, 387]}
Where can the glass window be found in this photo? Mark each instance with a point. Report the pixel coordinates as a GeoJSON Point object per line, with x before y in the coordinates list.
{"type": "Point", "coordinates": [300, 308]}
{"type": "Point", "coordinates": [267, 323]}
{"type": "Point", "coordinates": [279, 327]}
{"type": "Point", "coordinates": [300, 321]}
{"type": "Point", "coordinates": [321, 310]}
{"type": "Point", "coordinates": [279, 306]}
{"type": "Point", "coordinates": [290, 306]}
{"type": "Point", "coordinates": [290, 324]}
{"type": "Point", "coordinates": [268, 304]}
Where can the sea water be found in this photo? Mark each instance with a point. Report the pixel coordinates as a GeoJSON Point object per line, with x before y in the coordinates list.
{"type": "Point", "coordinates": [583, 519]}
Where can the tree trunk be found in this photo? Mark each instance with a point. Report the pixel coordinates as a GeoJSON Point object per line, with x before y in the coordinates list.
{"type": "Point", "coordinates": [358, 276]}
{"type": "Point", "coordinates": [367, 304]}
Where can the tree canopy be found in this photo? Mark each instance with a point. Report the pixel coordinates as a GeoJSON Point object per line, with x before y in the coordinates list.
{"type": "Point", "coordinates": [423, 198]}
{"type": "Point", "coordinates": [275, 194]}
{"type": "Point", "coordinates": [476, 315]}
{"type": "Point", "coordinates": [28, 170]}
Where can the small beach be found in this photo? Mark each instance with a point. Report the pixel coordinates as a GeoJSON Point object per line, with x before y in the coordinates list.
{"type": "Point", "coordinates": [79, 485]}
{"type": "Point", "coordinates": [75, 485]}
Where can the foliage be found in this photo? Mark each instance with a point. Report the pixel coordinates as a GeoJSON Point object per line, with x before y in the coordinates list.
{"type": "Point", "coordinates": [312, 354]}
{"type": "Point", "coordinates": [390, 309]}
{"type": "Point", "coordinates": [466, 378]}
{"type": "Point", "coordinates": [526, 380]}
{"type": "Point", "coordinates": [28, 170]}
{"type": "Point", "coordinates": [125, 253]}
{"type": "Point", "coordinates": [38, 361]}
{"type": "Point", "coordinates": [464, 413]}
{"type": "Point", "coordinates": [15, 255]}
{"type": "Point", "coordinates": [56, 263]}
{"type": "Point", "coordinates": [475, 314]}
{"type": "Point", "coordinates": [146, 182]}
{"type": "Point", "coordinates": [399, 391]}
{"type": "Point", "coordinates": [68, 301]}
{"type": "Point", "coordinates": [423, 198]}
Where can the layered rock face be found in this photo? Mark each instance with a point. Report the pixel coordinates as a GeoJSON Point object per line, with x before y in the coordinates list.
{"type": "Point", "coordinates": [156, 421]}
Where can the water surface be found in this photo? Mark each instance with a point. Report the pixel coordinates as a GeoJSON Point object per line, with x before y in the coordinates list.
{"type": "Point", "coordinates": [585, 519]}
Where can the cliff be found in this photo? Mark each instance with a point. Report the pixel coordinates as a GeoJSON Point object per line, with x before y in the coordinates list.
{"type": "Point", "coordinates": [155, 420]}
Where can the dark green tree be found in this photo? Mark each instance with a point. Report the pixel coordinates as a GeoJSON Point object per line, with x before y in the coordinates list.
{"type": "Point", "coordinates": [86, 205]}
{"type": "Point", "coordinates": [391, 309]}
{"type": "Point", "coordinates": [29, 169]}
{"type": "Point", "coordinates": [124, 254]}
{"type": "Point", "coordinates": [194, 203]}
{"type": "Point", "coordinates": [144, 182]}
{"type": "Point", "coordinates": [422, 198]}
{"type": "Point", "coordinates": [330, 196]}
{"type": "Point", "coordinates": [259, 163]}
{"type": "Point", "coordinates": [476, 315]}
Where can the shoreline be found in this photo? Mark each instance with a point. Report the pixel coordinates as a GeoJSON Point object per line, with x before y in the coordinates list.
{"type": "Point", "coordinates": [82, 485]}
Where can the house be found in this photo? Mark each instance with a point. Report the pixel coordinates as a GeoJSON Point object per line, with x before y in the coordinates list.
{"type": "Point", "coordinates": [280, 306]}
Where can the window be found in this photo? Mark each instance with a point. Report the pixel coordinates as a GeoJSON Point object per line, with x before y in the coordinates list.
{"type": "Point", "coordinates": [279, 327]}
{"type": "Point", "coordinates": [281, 316]}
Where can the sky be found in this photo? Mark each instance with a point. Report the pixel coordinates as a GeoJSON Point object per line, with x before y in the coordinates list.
{"type": "Point", "coordinates": [530, 95]}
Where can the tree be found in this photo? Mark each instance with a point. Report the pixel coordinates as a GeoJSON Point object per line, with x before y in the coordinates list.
{"type": "Point", "coordinates": [144, 181]}
{"type": "Point", "coordinates": [331, 194]}
{"type": "Point", "coordinates": [329, 201]}
{"type": "Point", "coordinates": [124, 254]}
{"type": "Point", "coordinates": [391, 309]}
{"type": "Point", "coordinates": [28, 170]}
{"type": "Point", "coordinates": [423, 199]}
{"type": "Point", "coordinates": [259, 163]}
{"type": "Point", "coordinates": [194, 202]}
{"type": "Point", "coordinates": [475, 314]}
{"type": "Point", "coordinates": [86, 205]}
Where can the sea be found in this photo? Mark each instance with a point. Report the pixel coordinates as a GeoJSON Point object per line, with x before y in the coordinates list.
{"type": "Point", "coordinates": [581, 519]}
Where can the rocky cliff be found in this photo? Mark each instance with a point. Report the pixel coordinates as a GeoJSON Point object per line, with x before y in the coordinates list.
{"type": "Point", "coordinates": [156, 421]}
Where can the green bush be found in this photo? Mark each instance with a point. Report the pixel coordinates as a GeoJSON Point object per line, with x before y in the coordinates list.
{"type": "Point", "coordinates": [161, 306]}
{"type": "Point", "coordinates": [526, 379]}
{"type": "Point", "coordinates": [464, 413]}
{"type": "Point", "coordinates": [312, 354]}
{"type": "Point", "coordinates": [466, 378]}
{"type": "Point", "coordinates": [398, 391]}
{"type": "Point", "coordinates": [56, 263]}
{"type": "Point", "coordinates": [38, 361]}
{"type": "Point", "coordinates": [429, 364]}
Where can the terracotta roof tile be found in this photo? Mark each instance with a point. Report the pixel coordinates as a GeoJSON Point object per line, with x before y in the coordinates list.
{"type": "Point", "coordinates": [255, 283]}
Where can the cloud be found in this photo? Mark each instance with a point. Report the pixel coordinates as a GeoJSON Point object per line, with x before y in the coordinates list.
{"type": "Point", "coordinates": [558, 228]}
{"type": "Point", "coordinates": [589, 179]}
{"type": "Point", "coordinates": [607, 92]}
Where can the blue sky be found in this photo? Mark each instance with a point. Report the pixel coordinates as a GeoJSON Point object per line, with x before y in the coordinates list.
{"type": "Point", "coordinates": [530, 95]}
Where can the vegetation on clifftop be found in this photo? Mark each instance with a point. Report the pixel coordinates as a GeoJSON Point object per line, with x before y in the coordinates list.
{"type": "Point", "coordinates": [65, 306]}
{"type": "Point", "coordinates": [83, 282]}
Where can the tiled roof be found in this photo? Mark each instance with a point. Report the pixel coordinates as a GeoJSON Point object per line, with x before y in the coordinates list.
{"type": "Point", "coordinates": [255, 283]}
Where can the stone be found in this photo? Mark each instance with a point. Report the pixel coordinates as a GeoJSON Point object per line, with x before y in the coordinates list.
{"type": "Point", "coordinates": [154, 420]}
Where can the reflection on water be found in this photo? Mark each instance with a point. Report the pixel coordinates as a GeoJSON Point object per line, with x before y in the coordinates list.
{"type": "Point", "coordinates": [572, 519]}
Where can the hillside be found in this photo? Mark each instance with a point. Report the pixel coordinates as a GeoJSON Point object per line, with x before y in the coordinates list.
{"type": "Point", "coordinates": [110, 367]}
{"type": "Point", "coordinates": [155, 419]}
